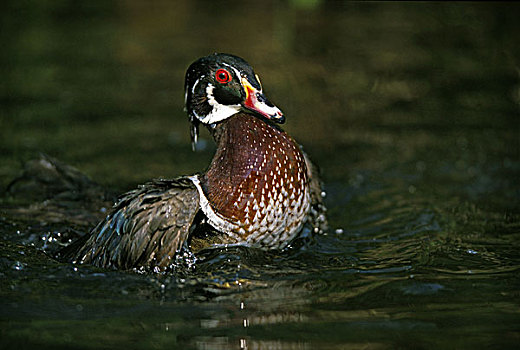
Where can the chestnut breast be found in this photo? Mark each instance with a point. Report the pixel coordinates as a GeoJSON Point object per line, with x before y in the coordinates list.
{"type": "Point", "coordinates": [257, 181]}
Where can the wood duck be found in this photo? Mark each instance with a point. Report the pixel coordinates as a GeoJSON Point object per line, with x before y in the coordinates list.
{"type": "Point", "coordinates": [259, 190]}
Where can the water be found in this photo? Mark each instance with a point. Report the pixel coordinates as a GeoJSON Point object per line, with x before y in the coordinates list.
{"type": "Point", "coordinates": [410, 110]}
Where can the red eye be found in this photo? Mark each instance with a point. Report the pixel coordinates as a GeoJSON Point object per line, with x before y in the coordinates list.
{"type": "Point", "coordinates": [222, 76]}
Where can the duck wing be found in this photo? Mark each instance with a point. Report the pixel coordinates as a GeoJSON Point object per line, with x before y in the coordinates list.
{"type": "Point", "coordinates": [147, 227]}
{"type": "Point", "coordinates": [318, 218]}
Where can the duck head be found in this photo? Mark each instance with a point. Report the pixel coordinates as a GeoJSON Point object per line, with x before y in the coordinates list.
{"type": "Point", "coordinates": [221, 85]}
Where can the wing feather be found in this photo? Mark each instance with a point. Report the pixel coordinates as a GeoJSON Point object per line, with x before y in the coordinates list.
{"type": "Point", "coordinates": [318, 211]}
{"type": "Point", "coordinates": [147, 227]}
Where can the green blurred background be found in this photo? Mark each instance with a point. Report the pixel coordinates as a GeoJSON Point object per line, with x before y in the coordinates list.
{"type": "Point", "coordinates": [99, 84]}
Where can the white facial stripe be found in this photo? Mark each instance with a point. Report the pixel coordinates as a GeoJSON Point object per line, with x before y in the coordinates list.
{"type": "Point", "coordinates": [240, 76]}
{"type": "Point", "coordinates": [192, 89]}
{"type": "Point", "coordinates": [259, 82]}
{"type": "Point", "coordinates": [195, 85]}
{"type": "Point", "coordinates": [234, 69]}
{"type": "Point", "coordinates": [219, 111]}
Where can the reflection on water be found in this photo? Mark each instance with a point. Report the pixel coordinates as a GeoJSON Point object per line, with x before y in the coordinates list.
{"type": "Point", "coordinates": [411, 111]}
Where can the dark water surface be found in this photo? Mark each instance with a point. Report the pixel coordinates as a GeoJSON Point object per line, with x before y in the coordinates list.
{"type": "Point", "coordinates": [411, 111]}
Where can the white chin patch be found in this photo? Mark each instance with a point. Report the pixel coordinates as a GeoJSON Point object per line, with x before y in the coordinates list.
{"type": "Point", "coordinates": [219, 111]}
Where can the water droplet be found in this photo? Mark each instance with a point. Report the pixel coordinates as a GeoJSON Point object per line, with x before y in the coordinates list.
{"type": "Point", "coordinates": [18, 266]}
{"type": "Point", "coordinates": [339, 231]}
